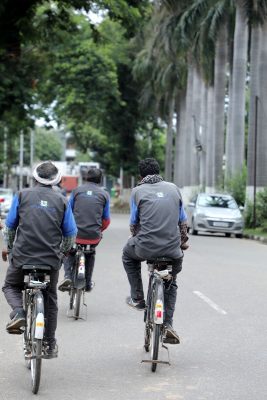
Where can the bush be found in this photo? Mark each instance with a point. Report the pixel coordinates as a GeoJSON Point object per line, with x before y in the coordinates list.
{"type": "Point", "coordinates": [261, 211]}
{"type": "Point", "coordinates": [236, 186]}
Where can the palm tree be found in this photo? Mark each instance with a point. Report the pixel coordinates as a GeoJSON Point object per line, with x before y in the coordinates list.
{"type": "Point", "coordinates": [237, 102]}
{"type": "Point", "coordinates": [256, 157]}
{"type": "Point", "coordinates": [166, 71]}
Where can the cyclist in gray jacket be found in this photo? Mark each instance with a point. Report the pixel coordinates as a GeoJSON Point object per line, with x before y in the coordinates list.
{"type": "Point", "coordinates": [91, 208]}
{"type": "Point", "coordinates": [159, 229]}
{"type": "Point", "coordinates": [39, 227]}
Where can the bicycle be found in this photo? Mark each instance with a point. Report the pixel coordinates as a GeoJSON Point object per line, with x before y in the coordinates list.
{"type": "Point", "coordinates": [159, 270]}
{"type": "Point", "coordinates": [79, 275]}
{"type": "Point", "coordinates": [36, 280]}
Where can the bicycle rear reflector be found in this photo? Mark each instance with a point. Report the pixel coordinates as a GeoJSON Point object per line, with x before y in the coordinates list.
{"type": "Point", "coordinates": [159, 312]}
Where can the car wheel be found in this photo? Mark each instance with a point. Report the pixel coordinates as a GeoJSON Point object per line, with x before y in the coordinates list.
{"type": "Point", "coordinates": [193, 230]}
{"type": "Point", "coordinates": [239, 235]}
{"type": "Point", "coordinates": [227, 234]}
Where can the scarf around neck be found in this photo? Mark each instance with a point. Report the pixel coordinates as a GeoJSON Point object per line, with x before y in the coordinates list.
{"type": "Point", "coordinates": [151, 179]}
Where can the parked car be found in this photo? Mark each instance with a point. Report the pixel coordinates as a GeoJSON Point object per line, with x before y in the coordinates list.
{"type": "Point", "coordinates": [6, 196]}
{"type": "Point", "coordinates": [215, 213]}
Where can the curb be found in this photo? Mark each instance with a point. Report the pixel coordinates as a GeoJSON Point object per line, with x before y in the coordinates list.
{"type": "Point", "coordinates": [261, 239]}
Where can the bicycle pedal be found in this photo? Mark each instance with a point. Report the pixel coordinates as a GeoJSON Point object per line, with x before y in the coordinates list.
{"type": "Point", "coordinates": [15, 331]}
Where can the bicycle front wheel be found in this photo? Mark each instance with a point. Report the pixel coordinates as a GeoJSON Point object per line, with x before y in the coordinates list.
{"type": "Point", "coordinates": [155, 346]}
{"type": "Point", "coordinates": [77, 302]}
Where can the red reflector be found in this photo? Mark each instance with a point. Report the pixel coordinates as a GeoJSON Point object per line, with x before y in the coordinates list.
{"type": "Point", "coordinates": [2, 200]}
{"type": "Point", "coordinates": [159, 314]}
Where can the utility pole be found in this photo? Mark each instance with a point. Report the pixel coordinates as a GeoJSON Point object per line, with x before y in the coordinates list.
{"type": "Point", "coordinates": [255, 162]}
{"type": "Point", "coordinates": [5, 182]}
{"type": "Point", "coordinates": [21, 160]}
{"type": "Point", "coordinates": [32, 154]}
{"type": "Point", "coordinates": [121, 180]}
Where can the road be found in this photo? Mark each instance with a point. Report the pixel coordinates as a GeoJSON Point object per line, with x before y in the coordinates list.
{"type": "Point", "coordinates": [220, 315]}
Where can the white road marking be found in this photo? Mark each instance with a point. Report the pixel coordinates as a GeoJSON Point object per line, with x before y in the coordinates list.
{"type": "Point", "coordinates": [210, 302]}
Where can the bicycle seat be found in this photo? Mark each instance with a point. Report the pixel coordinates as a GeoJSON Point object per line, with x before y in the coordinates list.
{"type": "Point", "coordinates": [161, 260]}
{"type": "Point", "coordinates": [86, 248]}
{"type": "Point", "coordinates": [38, 268]}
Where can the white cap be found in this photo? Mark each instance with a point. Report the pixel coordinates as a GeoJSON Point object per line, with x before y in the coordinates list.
{"type": "Point", "coordinates": [54, 180]}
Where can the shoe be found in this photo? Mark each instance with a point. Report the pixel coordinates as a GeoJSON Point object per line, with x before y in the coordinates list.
{"type": "Point", "coordinates": [64, 285]}
{"type": "Point", "coordinates": [17, 323]}
{"type": "Point", "coordinates": [138, 305]}
{"type": "Point", "coordinates": [50, 348]}
{"type": "Point", "coordinates": [170, 336]}
{"type": "Point", "coordinates": [90, 286]}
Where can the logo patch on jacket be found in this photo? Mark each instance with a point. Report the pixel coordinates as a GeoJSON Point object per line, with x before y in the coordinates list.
{"type": "Point", "coordinates": [160, 194]}
{"type": "Point", "coordinates": [89, 193]}
{"type": "Point", "coordinates": [43, 203]}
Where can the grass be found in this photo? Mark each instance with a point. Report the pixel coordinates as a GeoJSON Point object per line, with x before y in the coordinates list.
{"type": "Point", "coordinates": [255, 232]}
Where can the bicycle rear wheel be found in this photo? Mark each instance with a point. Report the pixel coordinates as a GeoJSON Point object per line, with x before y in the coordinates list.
{"type": "Point", "coordinates": [147, 318]}
{"type": "Point", "coordinates": [72, 294]}
{"type": "Point", "coordinates": [155, 346]}
{"type": "Point", "coordinates": [27, 331]}
{"type": "Point", "coordinates": [36, 346]}
{"type": "Point", "coordinates": [157, 295]}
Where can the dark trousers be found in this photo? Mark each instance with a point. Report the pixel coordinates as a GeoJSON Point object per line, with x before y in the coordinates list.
{"type": "Point", "coordinates": [132, 266]}
{"type": "Point", "coordinates": [89, 265]}
{"type": "Point", "coordinates": [13, 286]}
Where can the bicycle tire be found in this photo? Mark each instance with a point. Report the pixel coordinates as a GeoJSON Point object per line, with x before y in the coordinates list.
{"type": "Point", "coordinates": [27, 332]}
{"type": "Point", "coordinates": [157, 292]}
{"type": "Point", "coordinates": [36, 346]}
{"type": "Point", "coordinates": [155, 346]}
{"type": "Point", "coordinates": [147, 338]}
{"type": "Point", "coordinates": [77, 303]}
{"type": "Point", "coordinates": [72, 298]}
{"type": "Point", "coordinates": [147, 318]}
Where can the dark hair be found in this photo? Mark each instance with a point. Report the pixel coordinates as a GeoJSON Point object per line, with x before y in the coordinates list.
{"type": "Point", "coordinates": [94, 175]}
{"type": "Point", "coordinates": [47, 170]}
{"type": "Point", "coordinates": [148, 166]}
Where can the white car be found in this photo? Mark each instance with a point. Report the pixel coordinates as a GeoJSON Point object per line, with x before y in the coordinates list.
{"type": "Point", "coordinates": [6, 197]}
{"type": "Point", "coordinates": [215, 212]}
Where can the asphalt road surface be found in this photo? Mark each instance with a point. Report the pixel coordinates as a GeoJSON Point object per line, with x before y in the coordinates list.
{"type": "Point", "coordinates": [221, 316]}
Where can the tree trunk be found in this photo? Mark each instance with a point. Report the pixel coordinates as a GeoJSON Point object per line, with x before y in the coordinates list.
{"type": "Point", "coordinates": [203, 135]}
{"type": "Point", "coordinates": [188, 125]}
{"type": "Point", "coordinates": [261, 167]}
{"type": "Point", "coordinates": [237, 123]}
{"type": "Point", "coordinates": [255, 53]}
{"type": "Point", "coordinates": [196, 115]}
{"type": "Point", "coordinates": [219, 104]}
{"type": "Point", "coordinates": [179, 157]}
{"type": "Point", "coordinates": [209, 141]}
{"type": "Point", "coordinates": [169, 144]}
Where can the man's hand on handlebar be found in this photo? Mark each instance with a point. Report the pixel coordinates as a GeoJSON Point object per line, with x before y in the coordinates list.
{"type": "Point", "coordinates": [5, 254]}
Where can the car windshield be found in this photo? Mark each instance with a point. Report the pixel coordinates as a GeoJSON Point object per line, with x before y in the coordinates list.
{"type": "Point", "coordinates": [217, 201]}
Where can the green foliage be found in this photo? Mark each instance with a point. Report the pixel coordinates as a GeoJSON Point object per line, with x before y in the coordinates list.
{"type": "Point", "coordinates": [236, 186]}
{"type": "Point", "coordinates": [56, 64]}
{"type": "Point", "coordinates": [48, 145]}
{"type": "Point", "coordinates": [261, 211]}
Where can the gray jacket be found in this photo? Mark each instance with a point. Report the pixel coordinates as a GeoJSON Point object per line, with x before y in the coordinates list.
{"type": "Point", "coordinates": [156, 208]}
